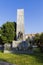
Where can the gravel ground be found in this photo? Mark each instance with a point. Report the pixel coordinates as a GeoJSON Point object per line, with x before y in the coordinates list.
{"type": "Point", "coordinates": [5, 63]}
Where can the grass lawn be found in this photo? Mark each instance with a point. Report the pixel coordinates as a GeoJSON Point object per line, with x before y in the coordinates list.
{"type": "Point", "coordinates": [23, 59]}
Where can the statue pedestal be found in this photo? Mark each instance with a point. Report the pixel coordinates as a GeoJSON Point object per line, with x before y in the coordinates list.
{"type": "Point", "coordinates": [20, 45]}
{"type": "Point", "coordinates": [16, 43]}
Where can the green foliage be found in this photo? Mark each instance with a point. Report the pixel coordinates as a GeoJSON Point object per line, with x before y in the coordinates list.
{"type": "Point", "coordinates": [4, 39]}
{"type": "Point", "coordinates": [37, 38]}
{"type": "Point", "coordinates": [39, 41]}
{"type": "Point", "coordinates": [0, 36]}
{"type": "Point", "coordinates": [0, 40]}
{"type": "Point", "coordinates": [0, 31]}
{"type": "Point", "coordinates": [41, 38]}
{"type": "Point", "coordinates": [8, 32]}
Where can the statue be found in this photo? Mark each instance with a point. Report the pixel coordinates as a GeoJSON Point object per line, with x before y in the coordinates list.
{"type": "Point", "coordinates": [20, 35]}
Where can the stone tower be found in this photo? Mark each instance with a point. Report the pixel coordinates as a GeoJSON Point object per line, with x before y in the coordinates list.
{"type": "Point", "coordinates": [20, 24]}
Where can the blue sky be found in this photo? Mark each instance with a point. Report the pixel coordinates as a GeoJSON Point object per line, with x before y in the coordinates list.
{"type": "Point", "coordinates": [33, 17]}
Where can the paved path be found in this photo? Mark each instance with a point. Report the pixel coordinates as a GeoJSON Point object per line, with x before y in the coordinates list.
{"type": "Point", "coordinates": [5, 63]}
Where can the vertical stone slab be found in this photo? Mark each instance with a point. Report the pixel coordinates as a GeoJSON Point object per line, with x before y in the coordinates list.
{"type": "Point", "coordinates": [20, 24]}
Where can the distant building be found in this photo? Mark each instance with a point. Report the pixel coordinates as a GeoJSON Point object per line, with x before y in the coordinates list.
{"type": "Point", "coordinates": [29, 36]}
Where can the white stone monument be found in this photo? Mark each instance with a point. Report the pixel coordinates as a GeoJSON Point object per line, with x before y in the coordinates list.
{"type": "Point", "coordinates": [19, 28]}
{"type": "Point", "coordinates": [20, 24]}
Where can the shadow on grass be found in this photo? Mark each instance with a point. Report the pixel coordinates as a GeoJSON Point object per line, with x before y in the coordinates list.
{"type": "Point", "coordinates": [37, 55]}
{"type": "Point", "coordinates": [3, 60]}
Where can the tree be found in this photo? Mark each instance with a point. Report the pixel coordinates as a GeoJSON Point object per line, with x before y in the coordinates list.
{"type": "Point", "coordinates": [41, 42]}
{"type": "Point", "coordinates": [41, 38]}
{"type": "Point", "coordinates": [0, 31]}
{"type": "Point", "coordinates": [8, 32]}
{"type": "Point", "coordinates": [37, 39]}
{"type": "Point", "coordinates": [0, 36]}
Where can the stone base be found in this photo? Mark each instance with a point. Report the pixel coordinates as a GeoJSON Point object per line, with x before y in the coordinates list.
{"type": "Point", "coordinates": [21, 45]}
{"type": "Point", "coordinates": [16, 43]}
{"type": "Point", "coordinates": [6, 51]}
